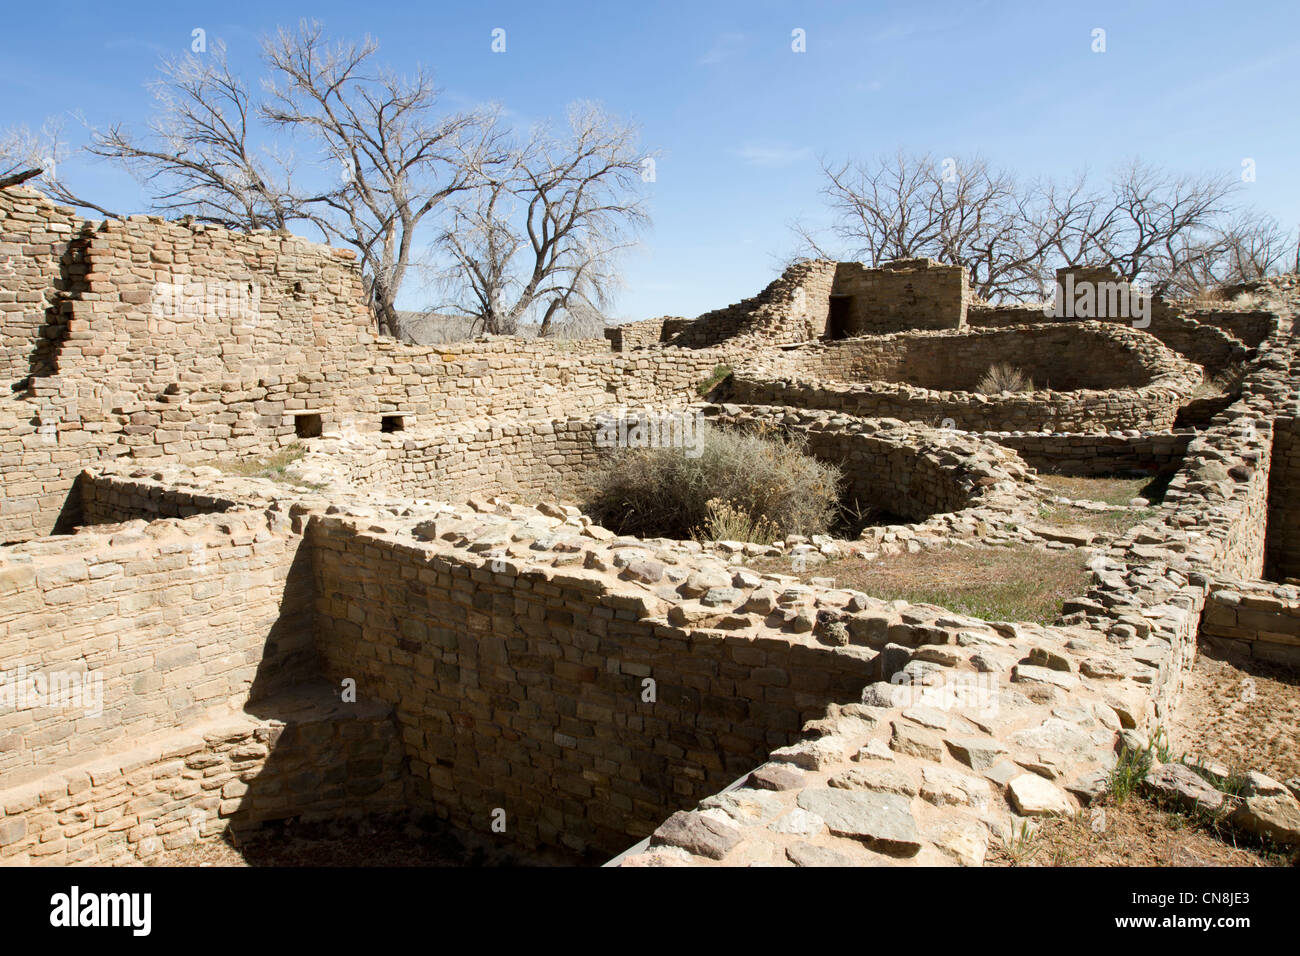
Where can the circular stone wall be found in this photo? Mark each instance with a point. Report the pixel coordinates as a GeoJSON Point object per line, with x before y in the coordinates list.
{"type": "Point", "coordinates": [1088, 376]}
{"type": "Point", "coordinates": [913, 471]}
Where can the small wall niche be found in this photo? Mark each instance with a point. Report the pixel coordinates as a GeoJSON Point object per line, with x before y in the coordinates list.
{"type": "Point", "coordinates": [307, 424]}
{"type": "Point", "coordinates": [392, 423]}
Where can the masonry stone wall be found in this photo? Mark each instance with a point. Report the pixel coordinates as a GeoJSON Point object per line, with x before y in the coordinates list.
{"type": "Point", "coordinates": [177, 618]}
{"type": "Point", "coordinates": [793, 308]}
{"type": "Point", "coordinates": [490, 456]}
{"type": "Point", "coordinates": [645, 333]}
{"type": "Point", "coordinates": [1284, 501]}
{"type": "Point", "coordinates": [195, 342]}
{"type": "Point", "coordinates": [1251, 327]}
{"type": "Point", "coordinates": [906, 471]}
{"type": "Point", "coordinates": [524, 691]}
{"type": "Point", "coordinates": [314, 759]}
{"type": "Point", "coordinates": [1255, 620]}
{"type": "Point", "coordinates": [1098, 454]}
{"type": "Point", "coordinates": [1089, 356]}
{"type": "Point", "coordinates": [903, 294]}
{"type": "Point", "coordinates": [40, 262]}
{"type": "Point", "coordinates": [837, 376]}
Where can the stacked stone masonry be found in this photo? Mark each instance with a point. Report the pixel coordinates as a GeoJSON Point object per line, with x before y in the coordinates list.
{"type": "Point", "coordinates": [509, 656]}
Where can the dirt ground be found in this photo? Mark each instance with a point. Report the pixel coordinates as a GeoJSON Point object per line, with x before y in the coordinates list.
{"type": "Point", "coordinates": [1244, 714]}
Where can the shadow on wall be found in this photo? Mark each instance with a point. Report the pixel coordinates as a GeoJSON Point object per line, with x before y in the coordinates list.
{"type": "Point", "coordinates": [315, 752]}
{"type": "Point", "coordinates": [529, 700]}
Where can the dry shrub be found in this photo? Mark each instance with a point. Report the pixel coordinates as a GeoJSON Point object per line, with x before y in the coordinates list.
{"type": "Point", "coordinates": [1005, 378]}
{"type": "Point", "coordinates": [742, 486]}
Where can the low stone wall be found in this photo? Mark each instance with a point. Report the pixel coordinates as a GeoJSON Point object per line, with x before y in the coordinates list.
{"type": "Point", "coordinates": [793, 308]}
{"type": "Point", "coordinates": [491, 456]}
{"type": "Point", "coordinates": [110, 499]}
{"type": "Point", "coordinates": [170, 621]}
{"type": "Point", "coordinates": [829, 376]}
{"type": "Point", "coordinates": [905, 470]}
{"type": "Point", "coordinates": [1097, 454]}
{"type": "Point", "coordinates": [1061, 358]}
{"type": "Point", "coordinates": [1252, 328]}
{"type": "Point", "coordinates": [1254, 619]}
{"type": "Point", "coordinates": [314, 759]}
{"type": "Point", "coordinates": [523, 689]}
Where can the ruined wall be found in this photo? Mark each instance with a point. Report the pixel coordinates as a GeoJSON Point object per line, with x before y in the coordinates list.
{"type": "Point", "coordinates": [1098, 453]}
{"type": "Point", "coordinates": [312, 761]}
{"type": "Point", "coordinates": [39, 263]}
{"type": "Point", "coordinates": [196, 343]}
{"type": "Point", "coordinates": [886, 376]}
{"type": "Point", "coordinates": [488, 456]}
{"type": "Point", "coordinates": [903, 294]}
{"type": "Point", "coordinates": [524, 691]}
{"type": "Point", "coordinates": [1091, 356]}
{"type": "Point", "coordinates": [1252, 328]}
{"type": "Point", "coordinates": [1255, 620]}
{"type": "Point", "coordinates": [177, 618]}
{"type": "Point", "coordinates": [793, 308]}
{"type": "Point", "coordinates": [908, 471]}
{"type": "Point", "coordinates": [645, 333]}
{"type": "Point", "coordinates": [1283, 558]}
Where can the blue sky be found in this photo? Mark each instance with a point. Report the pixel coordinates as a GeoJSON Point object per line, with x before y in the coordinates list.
{"type": "Point", "coordinates": [738, 118]}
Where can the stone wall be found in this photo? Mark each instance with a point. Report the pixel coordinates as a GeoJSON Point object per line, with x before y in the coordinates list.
{"type": "Point", "coordinates": [645, 333]}
{"type": "Point", "coordinates": [40, 262]}
{"type": "Point", "coordinates": [903, 294]}
{"type": "Point", "coordinates": [176, 619]}
{"type": "Point", "coordinates": [1084, 356]}
{"type": "Point", "coordinates": [1254, 620]}
{"type": "Point", "coordinates": [314, 759]}
{"type": "Point", "coordinates": [1284, 501]}
{"type": "Point", "coordinates": [904, 470]}
{"type": "Point", "coordinates": [792, 308]}
{"type": "Point", "coordinates": [831, 376]}
{"type": "Point", "coordinates": [489, 456]}
{"type": "Point", "coordinates": [1214, 339]}
{"type": "Point", "coordinates": [523, 690]}
{"type": "Point", "coordinates": [1098, 454]}
{"type": "Point", "coordinates": [1251, 328]}
{"type": "Point", "coordinates": [192, 342]}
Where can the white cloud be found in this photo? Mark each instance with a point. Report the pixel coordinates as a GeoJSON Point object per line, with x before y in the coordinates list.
{"type": "Point", "coordinates": [774, 156]}
{"type": "Point", "coordinates": [724, 48]}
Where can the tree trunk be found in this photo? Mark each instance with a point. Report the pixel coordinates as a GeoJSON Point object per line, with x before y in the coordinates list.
{"type": "Point", "coordinates": [545, 328]}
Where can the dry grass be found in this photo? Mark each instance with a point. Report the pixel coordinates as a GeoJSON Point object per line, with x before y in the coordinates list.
{"type": "Point", "coordinates": [1015, 583]}
{"type": "Point", "coordinates": [1107, 522]}
{"type": "Point", "coordinates": [273, 466]}
{"type": "Point", "coordinates": [1135, 833]}
{"type": "Point", "coordinates": [1108, 489]}
{"type": "Point", "coordinates": [1004, 378]}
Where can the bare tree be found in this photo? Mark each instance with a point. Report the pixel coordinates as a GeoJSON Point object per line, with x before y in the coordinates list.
{"type": "Point", "coordinates": [1176, 233]}
{"type": "Point", "coordinates": [541, 233]}
{"type": "Point", "coordinates": [1161, 228]}
{"type": "Point", "coordinates": [959, 211]}
{"type": "Point", "coordinates": [205, 156]}
{"type": "Point", "coordinates": [390, 156]}
{"type": "Point", "coordinates": [38, 157]}
{"type": "Point", "coordinates": [398, 159]}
